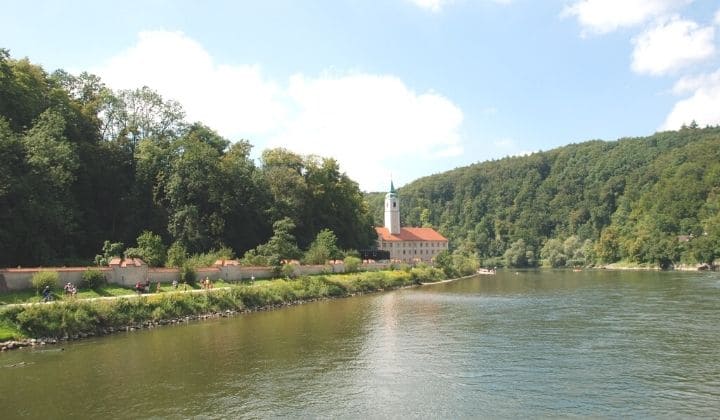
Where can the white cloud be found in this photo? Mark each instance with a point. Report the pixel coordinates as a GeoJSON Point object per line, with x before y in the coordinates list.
{"type": "Point", "coordinates": [687, 85]}
{"type": "Point", "coordinates": [703, 105]}
{"type": "Point", "coordinates": [367, 122]}
{"type": "Point", "coordinates": [717, 17]}
{"type": "Point", "coordinates": [234, 100]}
{"type": "Point", "coordinates": [603, 16]}
{"type": "Point", "coordinates": [672, 45]}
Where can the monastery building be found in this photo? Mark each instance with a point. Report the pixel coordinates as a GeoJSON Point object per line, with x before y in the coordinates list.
{"type": "Point", "coordinates": [407, 244]}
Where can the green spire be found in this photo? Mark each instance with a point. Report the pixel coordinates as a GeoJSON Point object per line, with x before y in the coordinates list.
{"type": "Point", "coordinates": [392, 187]}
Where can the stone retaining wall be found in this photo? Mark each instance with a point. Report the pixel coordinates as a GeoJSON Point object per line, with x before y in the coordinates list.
{"type": "Point", "coordinates": [129, 272]}
{"type": "Point", "coordinates": [19, 278]}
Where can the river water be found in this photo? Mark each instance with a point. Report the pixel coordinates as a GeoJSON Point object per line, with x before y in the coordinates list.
{"type": "Point", "coordinates": [527, 344]}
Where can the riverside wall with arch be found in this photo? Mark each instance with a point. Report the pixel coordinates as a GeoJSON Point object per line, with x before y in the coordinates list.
{"type": "Point", "coordinates": [130, 271]}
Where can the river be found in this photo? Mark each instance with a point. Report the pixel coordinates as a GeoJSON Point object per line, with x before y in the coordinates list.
{"type": "Point", "coordinates": [527, 344]}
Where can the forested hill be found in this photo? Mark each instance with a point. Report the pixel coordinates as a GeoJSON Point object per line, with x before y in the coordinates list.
{"type": "Point", "coordinates": [598, 201]}
{"type": "Point", "coordinates": [81, 164]}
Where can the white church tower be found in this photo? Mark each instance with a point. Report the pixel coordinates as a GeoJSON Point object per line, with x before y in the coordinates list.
{"type": "Point", "coordinates": [392, 211]}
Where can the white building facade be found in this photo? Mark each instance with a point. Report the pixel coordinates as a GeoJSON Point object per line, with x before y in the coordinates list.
{"type": "Point", "coordinates": [407, 244]}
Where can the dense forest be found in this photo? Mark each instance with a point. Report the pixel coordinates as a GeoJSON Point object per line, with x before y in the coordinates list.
{"type": "Point", "coordinates": [653, 200]}
{"type": "Point", "coordinates": [87, 170]}
{"type": "Point", "coordinates": [81, 164]}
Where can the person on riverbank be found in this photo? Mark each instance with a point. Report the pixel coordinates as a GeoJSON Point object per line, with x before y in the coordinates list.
{"type": "Point", "coordinates": [157, 288]}
{"type": "Point", "coordinates": [47, 296]}
{"type": "Point", "coordinates": [175, 284]}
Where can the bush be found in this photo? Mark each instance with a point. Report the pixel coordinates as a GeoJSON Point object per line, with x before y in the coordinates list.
{"type": "Point", "coordinates": [288, 271]}
{"type": "Point", "coordinates": [176, 255]}
{"type": "Point", "coordinates": [150, 249]}
{"type": "Point", "coordinates": [208, 259]}
{"type": "Point", "coordinates": [351, 264]}
{"type": "Point", "coordinates": [92, 279]}
{"type": "Point", "coordinates": [45, 278]}
{"type": "Point", "coordinates": [110, 250]}
{"type": "Point", "coordinates": [187, 274]}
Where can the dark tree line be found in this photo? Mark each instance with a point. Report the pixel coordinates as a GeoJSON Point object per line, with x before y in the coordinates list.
{"type": "Point", "coordinates": [81, 164]}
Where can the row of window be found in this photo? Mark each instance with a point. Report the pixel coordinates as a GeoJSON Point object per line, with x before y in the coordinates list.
{"type": "Point", "coordinates": [411, 245]}
{"type": "Point", "coordinates": [415, 251]}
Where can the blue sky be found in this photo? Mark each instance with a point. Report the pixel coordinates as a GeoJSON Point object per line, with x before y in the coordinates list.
{"type": "Point", "coordinates": [396, 87]}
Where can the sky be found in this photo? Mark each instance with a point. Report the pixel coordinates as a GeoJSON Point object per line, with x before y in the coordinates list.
{"type": "Point", "coordinates": [395, 89]}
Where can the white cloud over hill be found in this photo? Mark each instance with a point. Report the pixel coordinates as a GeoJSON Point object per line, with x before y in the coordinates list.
{"type": "Point", "coordinates": [365, 121]}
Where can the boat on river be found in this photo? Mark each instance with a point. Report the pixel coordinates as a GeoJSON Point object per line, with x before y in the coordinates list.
{"type": "Point", "coordinates": [486, 271]}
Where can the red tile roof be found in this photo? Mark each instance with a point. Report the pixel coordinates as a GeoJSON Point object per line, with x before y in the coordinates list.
{"type": "Point", "coordinates": [410, 234]}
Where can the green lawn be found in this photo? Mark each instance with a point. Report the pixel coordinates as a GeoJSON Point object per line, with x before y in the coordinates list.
{"type": "Point", "coordinates": [30, 296]}
{"type": "Point", "coordinates": [21, 296]}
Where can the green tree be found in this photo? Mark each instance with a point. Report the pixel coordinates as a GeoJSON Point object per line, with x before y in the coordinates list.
{"type": "Point", "coordinates": [705, 249]}
{"type": "Point", "coordinates": [109, 250]}
{"type": "Point", "coordinates": [465, 263]}
{"type": "Point", "coordinates": [150, 248]}
{"type": "Point", "coordinates": [323, 248]}
{"type": "Point", "coordinates": [554, 253]}
{"type": "Point", "coordinates": [193, 192]}
{"type": "Point", "coordinates": [130, 116]}
{"type": "Point", "coordinates": [176, 255]}
{"type": "Point", "coordinates": [444, 261]}
{"type": "Point", "coordinates": [519, 255]}
{"type": "Point", "coordinates": [281, 245]}
{"type": "Point", "coordinates": [607, 248]}
{"type": "Point", "coordinates": [92, 279]}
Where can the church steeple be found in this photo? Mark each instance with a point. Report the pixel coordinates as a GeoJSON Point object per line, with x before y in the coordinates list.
{"type": "Point", "coordinates": [392, 211]}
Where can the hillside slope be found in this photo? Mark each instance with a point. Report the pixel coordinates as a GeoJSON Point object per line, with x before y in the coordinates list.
{"type": "Point", "coordinates": [621, 200]}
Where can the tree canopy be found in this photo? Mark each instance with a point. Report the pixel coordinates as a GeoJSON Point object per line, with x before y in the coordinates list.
{"type": "Point", "coordinates": [652, 200]}
{"type": "Point", "coordinates": [83, 164]}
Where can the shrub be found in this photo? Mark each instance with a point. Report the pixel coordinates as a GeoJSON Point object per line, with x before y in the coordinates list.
{"type": "Point", "coordinates": [351, 264]}
{"type": "Point", "coordinates": [176, 255]}
{"type": "Point", "coordinates": [187, 274]}
{"type": "Point", "coordinates": [92, 279]}
{"type": "Point", "coordinates": [45, 278]}
{"type": "Point", "coordinates": [208, 259]}
{"type": "Point", "coordinates": [288, 271]}
{"type": "Point", "coordinates": [149, 248]}
{"type": "Point", "coordinates": [110, 250]}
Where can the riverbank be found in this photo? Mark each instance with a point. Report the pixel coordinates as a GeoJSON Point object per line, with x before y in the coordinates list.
{"type": "Point", "coordinates": [40, 324]}
{"type": "Point", "coordinates": [650, 267]}
{"type": "Point", "coordinates": [446, 280]}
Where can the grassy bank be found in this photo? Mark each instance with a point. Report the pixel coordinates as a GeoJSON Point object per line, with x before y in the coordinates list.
{"type": "Point", "coordinates": [98, 316]}
{"type": "Point", "coordinates": [105, 290]}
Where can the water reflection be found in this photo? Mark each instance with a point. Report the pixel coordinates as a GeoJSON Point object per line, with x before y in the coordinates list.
{"type": "Point", "coordinates": [511, 345]}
